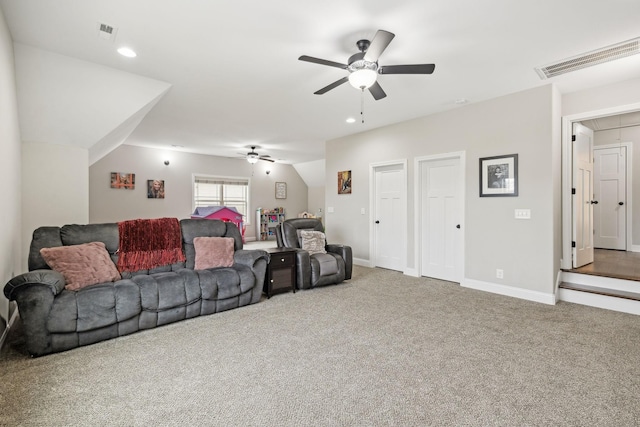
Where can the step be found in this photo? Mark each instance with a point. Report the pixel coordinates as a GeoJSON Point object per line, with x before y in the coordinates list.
{"type": "Point", "coordinates": [634, 296]}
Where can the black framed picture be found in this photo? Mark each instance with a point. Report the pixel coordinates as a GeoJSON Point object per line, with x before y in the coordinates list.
{"type": "Point", "coordinates": [499, 176]}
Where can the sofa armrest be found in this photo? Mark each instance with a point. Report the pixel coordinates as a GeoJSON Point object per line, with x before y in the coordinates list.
{"type": "Point", "coordinates": [347, 256]}
{"type": "Point", "coordinates": [249, 257]}
{"type": "Point", "coordinates": [53, 280]}
{"type": "Point", "coordinates": [303, 269]}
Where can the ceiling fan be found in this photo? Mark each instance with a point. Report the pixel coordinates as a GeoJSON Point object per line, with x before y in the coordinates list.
{"type": "Point", "coordinates": [363, 66]}
{"type": "Point", "coordinates": [253, 157]}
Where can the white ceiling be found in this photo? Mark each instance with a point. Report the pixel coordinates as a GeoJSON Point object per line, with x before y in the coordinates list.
{"type": "Point", "coordinates": [236, 80]}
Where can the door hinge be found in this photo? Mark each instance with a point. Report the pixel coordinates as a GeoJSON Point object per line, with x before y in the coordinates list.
{"type": "Point", "coordinates": [573, 244]}
{"type": "Point", "coordinates": [573, 138]}
{"type": "Point", "coordinates": [573, 191]}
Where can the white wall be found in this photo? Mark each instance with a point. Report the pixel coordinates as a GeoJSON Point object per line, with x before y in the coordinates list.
{"type": "Point", "coordinates": [111, 205]}
{"type": "Point", "coordinates": [614, 95]}
{"type": "Point", "coordinates": [526, 123]}
{"type": "Point", "coordinates": [10, 165]}
{"type": "Point", "coordinates": [55, 187]}
{"type": "Point", "coordinates": [68, 101]}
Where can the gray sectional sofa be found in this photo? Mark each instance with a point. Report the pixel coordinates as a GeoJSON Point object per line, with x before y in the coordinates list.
{"type": "Point", "coordinates": [56, 319]}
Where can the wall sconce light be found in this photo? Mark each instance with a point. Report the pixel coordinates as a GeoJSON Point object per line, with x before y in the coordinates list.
{"type": "Point", "coordinates": [166, 162]}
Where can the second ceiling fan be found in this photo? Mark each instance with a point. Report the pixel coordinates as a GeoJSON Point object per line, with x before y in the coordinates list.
{"type": "Point", "coordinates": [363, 66]}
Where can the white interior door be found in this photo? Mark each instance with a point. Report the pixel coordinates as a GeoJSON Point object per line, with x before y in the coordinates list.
{"type": "Point", "coordinates": [389, 217]}
{"type": "Point", "coordinates": [582, 195]}
{"type": "Point", "coordinates": [441, 235]}
{"type": "Point", "coordinates": [610, 213]}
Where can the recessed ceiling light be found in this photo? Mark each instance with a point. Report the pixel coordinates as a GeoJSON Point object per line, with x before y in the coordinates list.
{"type": "Point", "coordinates": [351, 120]}
{"type": "Point", "coordinates": [125, 51]}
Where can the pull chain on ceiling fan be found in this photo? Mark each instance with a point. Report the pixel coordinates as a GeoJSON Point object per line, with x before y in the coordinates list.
{"type": "Point", "coordinates": [363, 67]}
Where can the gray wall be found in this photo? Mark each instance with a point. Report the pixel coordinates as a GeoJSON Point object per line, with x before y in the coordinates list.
{"type": "Point", "coordinates": [109, 205]}
{"type": "Point", "coordinates": [526, 123]}
{"type": "Point", "coordinates": [316, 200]}
{"type": "Point", "coordinates": [55, 181]}
{"type": "Point", "coordinates": [10, 165]}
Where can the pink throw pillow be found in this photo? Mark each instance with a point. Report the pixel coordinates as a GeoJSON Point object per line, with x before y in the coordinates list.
{"type": "Point", "coordinates": [82, 265]}
{"type": "Point", "coordinates": [212, 252]}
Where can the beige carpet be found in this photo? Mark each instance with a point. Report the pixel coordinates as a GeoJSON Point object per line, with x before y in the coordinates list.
{"type": "Point", "coordinates": [383, 349]}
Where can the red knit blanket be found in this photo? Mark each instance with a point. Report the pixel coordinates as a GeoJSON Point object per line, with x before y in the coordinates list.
{"type": "Point", "coordinates": [149, 243]}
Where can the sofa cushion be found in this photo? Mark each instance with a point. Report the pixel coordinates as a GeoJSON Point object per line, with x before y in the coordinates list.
{"type": "Point", "coordinates": [192, 228]}
{"type": "Point", "coordinates": [212, 252]}
{"type": "Point", "coordinates": [81, 265]}
{"type": "Point", "coordinates": [312, 242]}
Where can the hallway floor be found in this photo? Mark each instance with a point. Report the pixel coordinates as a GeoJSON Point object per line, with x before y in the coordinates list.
{"type": "Point", "coordinates": [612, 263]}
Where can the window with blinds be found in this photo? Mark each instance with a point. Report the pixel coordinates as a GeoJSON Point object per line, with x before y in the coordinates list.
{"type": "Point", "coordinates": [221, 191]}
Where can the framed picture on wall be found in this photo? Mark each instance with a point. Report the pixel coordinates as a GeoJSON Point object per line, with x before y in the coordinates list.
{"type": "Point", "coordinates": [499, 176]}
{"type": "Point", "coordinates": [155, 189]}
{"type": "Point", "coordinates": [123, 180]}
{"type": "Point", "coordinates": [344, 182]}
{"type": "Point", "coordinates": [281, 190]}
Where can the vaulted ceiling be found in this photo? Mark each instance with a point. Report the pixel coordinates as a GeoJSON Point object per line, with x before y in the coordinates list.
{"type": "Point", "coordinates": [216, 77]}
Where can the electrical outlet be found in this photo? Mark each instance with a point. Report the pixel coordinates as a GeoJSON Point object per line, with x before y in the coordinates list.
{"type": "Point", "coordinates": [361, 211]}
{"type": "Point", "coordinates": [499, 273]}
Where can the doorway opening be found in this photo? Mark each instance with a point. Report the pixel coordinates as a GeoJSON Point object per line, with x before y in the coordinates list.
{"type": "Point", "coordinates": [604, 261]}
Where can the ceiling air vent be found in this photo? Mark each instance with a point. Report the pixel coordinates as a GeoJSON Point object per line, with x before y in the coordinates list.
{"type": "Point", "coordinates": [599, 56]}
{"type": "Point", "coordinates": [106, 32]}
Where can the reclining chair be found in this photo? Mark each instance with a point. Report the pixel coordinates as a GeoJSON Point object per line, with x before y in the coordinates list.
{"type": "Point", "coordinates": [321, 264]}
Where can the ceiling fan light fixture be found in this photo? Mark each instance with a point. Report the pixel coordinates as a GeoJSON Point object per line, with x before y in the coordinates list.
{"type": "Point", "coordinates": [252, 158]}
{"type": "Point", "coordinates": [362, 79]}
{"type": "Point", "coordinates": [363, 74]}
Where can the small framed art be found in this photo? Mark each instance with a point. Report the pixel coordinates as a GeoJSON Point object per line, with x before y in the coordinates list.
{"type": "Point", "coordinates": [499, 176]}
{"type": "Point", "coordinates": [344, 182]}
{"type": "Point", "coordinates": [281, 190]}
{"type": "Point", "coordinates": [155, 189]}
{"type": "Point", "coordinates": [123, 180]}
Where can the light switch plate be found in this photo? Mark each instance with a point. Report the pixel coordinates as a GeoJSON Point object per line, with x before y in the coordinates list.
{"type": "Point", "coordinates": [523, 213]}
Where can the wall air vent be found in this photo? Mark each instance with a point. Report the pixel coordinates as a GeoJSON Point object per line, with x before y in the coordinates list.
{"type": "Point", "coordinates": [106, 32]}
{"type": "Point", "coordinates": [599, 56]}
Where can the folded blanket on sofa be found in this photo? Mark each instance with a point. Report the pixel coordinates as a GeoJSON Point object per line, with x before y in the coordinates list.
{"type": "Point", "coordinates": [149, 243]}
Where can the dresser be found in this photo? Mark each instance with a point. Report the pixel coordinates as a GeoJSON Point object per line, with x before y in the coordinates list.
{"type": "Point", "coordinates": [281, 271]}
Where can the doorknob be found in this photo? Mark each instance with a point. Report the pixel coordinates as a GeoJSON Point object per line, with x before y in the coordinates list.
{"type": "Point", "coordinates": [594, 202]}
{"type": "Point", "coordinates": [458, 226]}
{"type": "Point", "coordinates": [621, 203]}
{"type": "Point", "coordinates": [377, 222]}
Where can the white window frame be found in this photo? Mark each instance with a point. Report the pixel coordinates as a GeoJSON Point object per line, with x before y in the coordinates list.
{"type": "Point", "coordinates": [230, 179]}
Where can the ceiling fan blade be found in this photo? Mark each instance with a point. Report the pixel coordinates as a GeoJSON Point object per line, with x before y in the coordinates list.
{"type": "Point", "coordinates": [265, 159]}
{"type": "Point", "coordinates": [331, 86]}
{"type": "Point", "coordinates": [377, 92]}
{"type": "Point", "coordinates": [322, 62]}
{"type": "Point", "coordinates": [379, 43]}
{"type": "Point", "coordinates": [407, 69]}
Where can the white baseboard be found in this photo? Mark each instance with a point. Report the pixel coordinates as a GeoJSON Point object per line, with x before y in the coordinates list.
{"type": "Point", "coordinates": [413, 272]}
{"type": "Point", "coordinates": [635, 248]}
{"type": "Point", "coordinates": [5, 333]}
{"type": "Point", "coordinates": [600, 301]}
{"type": "Point", "coordinates": [509, 291]}
{"type": "Point", "coordinates": [362, 262]}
